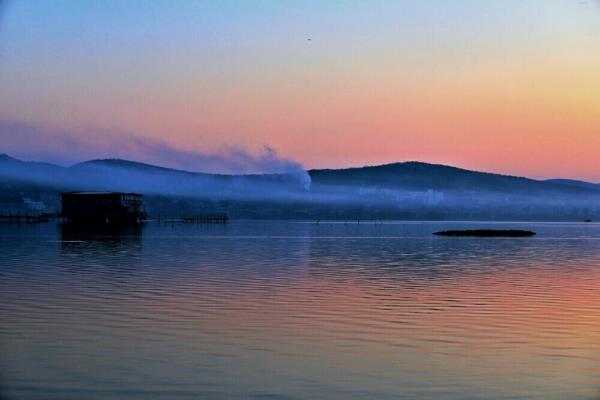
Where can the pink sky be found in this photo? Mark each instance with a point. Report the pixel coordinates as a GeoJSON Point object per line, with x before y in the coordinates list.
{"type": "Point", "coordinates": [512, 89]}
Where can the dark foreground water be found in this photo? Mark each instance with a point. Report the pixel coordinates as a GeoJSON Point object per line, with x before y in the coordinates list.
{"type": "Point", "coordinates": [287, 310]}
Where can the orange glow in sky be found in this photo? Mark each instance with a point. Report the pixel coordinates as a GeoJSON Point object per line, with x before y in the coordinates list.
{"type": "Point", "coordinates": [511, 88]}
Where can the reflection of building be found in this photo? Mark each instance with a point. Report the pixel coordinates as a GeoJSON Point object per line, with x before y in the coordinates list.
{"type": "Point", "coordinates": [102, 207]}
{"type": "Point", "coordinates": [111, 247]}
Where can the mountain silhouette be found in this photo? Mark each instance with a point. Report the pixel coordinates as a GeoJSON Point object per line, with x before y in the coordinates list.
{"type": "Point", "coordinates": [399, 190]}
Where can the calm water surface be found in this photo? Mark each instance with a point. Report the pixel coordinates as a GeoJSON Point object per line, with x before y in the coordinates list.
{"type": "Point", "coordinates": [288, 310]}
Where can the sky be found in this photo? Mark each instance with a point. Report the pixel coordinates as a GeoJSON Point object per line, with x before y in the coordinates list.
{"type": "Point", "coordinates": [508, 86]}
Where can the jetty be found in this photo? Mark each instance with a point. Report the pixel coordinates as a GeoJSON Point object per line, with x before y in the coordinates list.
{"type": "Point", "coordinates": [30, 219]}
{"type": "Point", "coordinates": [486, 233]}
{"type": "Point", "coordinates": [207, 219]}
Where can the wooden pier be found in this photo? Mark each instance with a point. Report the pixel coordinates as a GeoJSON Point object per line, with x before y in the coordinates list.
{"type": "Point", "coordinates": [30, 219]}
{"type": "Point", "coordinates": [206, 219]}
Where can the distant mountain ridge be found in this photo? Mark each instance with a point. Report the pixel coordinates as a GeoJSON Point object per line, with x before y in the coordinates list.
{"type": "Point", "coordinates": [406, 190]}
{"type": "Point", "coordinates": [120, 163]}
{"type": "Point", "coordinates": [420, 175]}
{"type": "Point", "coordinates": [6, 159]}
{"type": "Point", "coordinates": [574, 182]}
{"type": "Point", "coordinates": [410, 175]}
{"type": "Point", "coordinates": [413, 174]}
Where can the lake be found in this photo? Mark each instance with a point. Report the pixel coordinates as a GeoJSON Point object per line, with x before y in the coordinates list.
{"type": "Point", "coordinates": [298, 310]}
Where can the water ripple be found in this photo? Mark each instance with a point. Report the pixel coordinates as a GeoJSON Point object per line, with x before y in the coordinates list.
{"type": "Point", "coordinates": [299, 311]}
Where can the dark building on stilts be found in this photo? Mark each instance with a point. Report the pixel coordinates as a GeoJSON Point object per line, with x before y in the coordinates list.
{"type": "Point", "coordinates": [103, 207]}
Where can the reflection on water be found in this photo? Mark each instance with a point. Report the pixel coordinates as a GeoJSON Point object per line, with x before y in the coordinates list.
{"type": "Point", "coordinates": [299, 311]}
{"type": "Point", "coordinates": [77, 232]}
{"type": "Point", "coordinates": [113, 246]}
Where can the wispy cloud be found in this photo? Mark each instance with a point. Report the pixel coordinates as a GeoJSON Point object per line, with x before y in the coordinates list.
{"type": "Point", "coordinates": [68, 147]}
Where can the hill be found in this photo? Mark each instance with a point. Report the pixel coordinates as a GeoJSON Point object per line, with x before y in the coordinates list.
{"type": "Point", "coordinates": [408, 190]}
{"type": "Point", "coordinates": [423, 176]}
{"type": "Point", "coordinates": [576, 183]}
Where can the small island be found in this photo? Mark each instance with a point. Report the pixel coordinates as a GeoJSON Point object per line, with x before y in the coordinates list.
{"type": "Point", "coordinates": [486, 233]}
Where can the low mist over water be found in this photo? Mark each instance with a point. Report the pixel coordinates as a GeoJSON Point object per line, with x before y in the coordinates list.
{"type": "Point", "coordinates": [409, 190]}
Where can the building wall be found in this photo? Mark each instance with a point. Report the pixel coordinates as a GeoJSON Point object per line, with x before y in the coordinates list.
{"type": "Point", "coordinates": [102, 207]}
